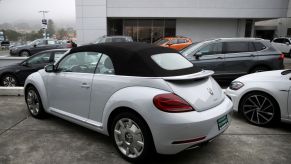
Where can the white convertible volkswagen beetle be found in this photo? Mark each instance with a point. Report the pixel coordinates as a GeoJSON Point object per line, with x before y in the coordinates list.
{"type": "Point", "coordinates": [263, 98]}
{"type": "Point", "coordinates": [147, 98]}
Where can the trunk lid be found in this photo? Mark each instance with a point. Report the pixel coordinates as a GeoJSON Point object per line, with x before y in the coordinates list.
{"type": "Point", "coordinates": [200, 90]}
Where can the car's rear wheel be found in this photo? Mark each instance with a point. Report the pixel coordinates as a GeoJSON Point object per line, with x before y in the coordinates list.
{"type": "Point", "coordinates": [34, 103]}
{"type": "Point", "coordinates": [8, 80]}
{"type": "Point", "coordinates": [260, 109]}
{"type": "Point", "coordinates": [24, 54]}
{"type": "Point", "coordinates": [259, 69]}
{"type": "Point", "coordinates": [131, 137]}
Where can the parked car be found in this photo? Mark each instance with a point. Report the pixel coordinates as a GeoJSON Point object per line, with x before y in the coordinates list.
{"type": "Point", "coordinates": [283, 44]}
{"type": "Point", "coordinates": [15, 75]}
{"type": "Point", "coordinates": [263, 98]}
{"type": "Point", "coordinates": [177, 43]}
{"type": "Point", "coordinates": [35, 47]}
{"type": "Point", "coordinates": [234, 57]}
{"type": "Point", "coordinates": [147, 98]}
{"type": "Point", "coordinates": [112, 39]}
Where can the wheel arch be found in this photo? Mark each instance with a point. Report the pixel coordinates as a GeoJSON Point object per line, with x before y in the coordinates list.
{"type": "Point", "coordinates": [259, 65]}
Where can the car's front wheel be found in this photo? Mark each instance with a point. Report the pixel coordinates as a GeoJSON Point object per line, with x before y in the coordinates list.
{"type": "Point", "coordinates": [24, 54]}
{"type": "Point", "coordinates": [260, 109]}
{"type": "Point", "coordinates": [34, 103]}
{"type": "Point", "coordinates": [131, 137]}
{"type": "Point", "coordinates": [8, 80]}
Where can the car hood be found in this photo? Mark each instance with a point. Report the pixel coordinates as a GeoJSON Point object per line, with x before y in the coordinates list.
{"type": "Point", "coordinates": [263, 76]}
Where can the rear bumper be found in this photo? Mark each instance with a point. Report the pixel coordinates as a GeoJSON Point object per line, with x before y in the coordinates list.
{"type": "Point", "coordinates": [179, 131]}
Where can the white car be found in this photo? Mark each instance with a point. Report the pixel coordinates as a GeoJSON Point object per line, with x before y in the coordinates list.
{"type": "Point", "coordinates": [283, 45]}
{"type": "Point", "coordinates": [263, 98]}
{"type": "Point", "coordinates": [147, 98]}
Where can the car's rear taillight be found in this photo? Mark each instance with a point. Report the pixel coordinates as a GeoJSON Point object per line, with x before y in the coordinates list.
{"type": "Point", "coordinates": [282, 56]}
{"type": "Point", "coordinates": [170, 102]}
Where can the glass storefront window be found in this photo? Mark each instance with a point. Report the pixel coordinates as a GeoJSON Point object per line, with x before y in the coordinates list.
{"type": "Point", "coordinates": [142, 30]}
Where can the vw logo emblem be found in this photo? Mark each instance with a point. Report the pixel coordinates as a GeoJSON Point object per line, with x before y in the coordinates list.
{"type": "Point", "coordinates": [210, 91]}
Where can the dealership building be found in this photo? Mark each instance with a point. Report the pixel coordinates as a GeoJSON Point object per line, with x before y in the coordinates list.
{"type": "Point", "coordinates": [149, 20]}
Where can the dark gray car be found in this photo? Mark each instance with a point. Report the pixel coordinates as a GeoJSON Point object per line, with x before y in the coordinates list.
{"type": "Point", "coordinates": [234, 57]}
{"type": "Point", "coordinates": [35, 47]}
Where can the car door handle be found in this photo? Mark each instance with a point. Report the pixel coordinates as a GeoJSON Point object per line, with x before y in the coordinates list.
{"type": "Point", "coordinates": [85, 85]}
{"type": "Point", "coordinates": [219, 58]}
{"type": "Point", "coordinates": [252, 55]}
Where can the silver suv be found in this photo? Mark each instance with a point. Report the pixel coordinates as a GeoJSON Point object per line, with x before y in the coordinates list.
{"type": "Point", "coordinates": [234, 57]}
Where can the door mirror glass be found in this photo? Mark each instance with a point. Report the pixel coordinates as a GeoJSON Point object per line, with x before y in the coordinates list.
{"type": "Point", "coordinates": [49, 68]}
{"type": "Point", "coordinates": [198, 55]}
{"type": "Point", "coordinates": [24, 64]}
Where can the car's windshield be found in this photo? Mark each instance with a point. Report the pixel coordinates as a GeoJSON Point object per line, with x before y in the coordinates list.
{"type": "Point", "coordinates": [161, 41]}
{"type": "Point", "coordinates": [188, 50]}
{"type": "Point", "coordinates": [171, 61]}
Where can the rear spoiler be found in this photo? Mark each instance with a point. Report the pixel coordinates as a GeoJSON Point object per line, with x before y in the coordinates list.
{"type": "Point", "coordinates": [199, 75]}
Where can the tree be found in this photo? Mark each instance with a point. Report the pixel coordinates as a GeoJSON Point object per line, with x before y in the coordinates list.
{"type": "Point", "coordinates": [12, 35]}
{"type": "Point", "coordinates": [62, 33]}
{"type": "Point", "coordinates": [51, 28]}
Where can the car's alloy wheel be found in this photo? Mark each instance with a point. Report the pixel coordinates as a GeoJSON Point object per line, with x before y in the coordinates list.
{"type": "Point", "coordinates": [259, 109]}
{"type": "Point", "coordinates": [24, 54]}
{"type": "Point", "coordinates": [129, 138]}
{"type": "Point", "coordinates": [34, 103]}
{"type": "Point", "coordinates": [132, 137]}
{"type": "Point", "coordinates": [9, 81]}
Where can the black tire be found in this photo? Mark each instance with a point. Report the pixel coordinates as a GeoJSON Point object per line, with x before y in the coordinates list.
{"type": "Point", "coordinates": [40, 112]}
{"type": "Point", "coordinates": [148, 145]}
{"type": "Point", "coordinates": [259, 69]}
{"type": "Point", "coordinates": [260, 109]}
{"type": "Point", "coordinates": [24, 53]}
{"type": "Point", "coordinates": [8, 80]}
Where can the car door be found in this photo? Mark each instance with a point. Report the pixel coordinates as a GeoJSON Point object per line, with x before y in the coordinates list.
{"type": "Point", "coordinates": [69, 88]}
{"type": "Point", "coordinates": [240, 57]}
{"type": "Point", "coordinates": [32, 65]}
{"type": "Point", "coordinates": [209, 57]}
{"type": "Point", "coordinates": [39, 46]}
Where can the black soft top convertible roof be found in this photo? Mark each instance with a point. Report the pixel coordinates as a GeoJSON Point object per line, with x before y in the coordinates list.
{"type": "Point", "coordinates": [134, 59]}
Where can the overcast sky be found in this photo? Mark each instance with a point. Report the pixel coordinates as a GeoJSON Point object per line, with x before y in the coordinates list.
{"type": "Point", "coordinates": [26, 10]}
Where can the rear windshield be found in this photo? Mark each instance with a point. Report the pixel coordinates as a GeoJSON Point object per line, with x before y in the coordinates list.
{"type": "Point", "coordinates": [161, 41]}
{"type": "Point", "coordinates": [171, 61]}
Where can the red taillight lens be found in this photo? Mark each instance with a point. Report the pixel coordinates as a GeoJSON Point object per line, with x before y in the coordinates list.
{"type": "Point", "coordinates": [170, 102]}
{"type": "Point", "coordinates": [282, 56]}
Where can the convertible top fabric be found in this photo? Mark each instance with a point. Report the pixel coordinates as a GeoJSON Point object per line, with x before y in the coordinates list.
{"type": "Point", "coordinates": [134, 59]}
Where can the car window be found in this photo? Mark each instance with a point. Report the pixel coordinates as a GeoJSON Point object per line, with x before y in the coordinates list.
{"type": "Point", "coordinates": [58, 55]}
{"type": "Point", "coordinates": [259, 46]}
{"type": "Point", "coordinates": [237, 47]}
{"type": "Point", "coordinates": [278, 40]}
{"type": "Point", "coordinates": [173, 41]}
{"type": "Point", "coordinates": [171, 61]}
{"type": "Point", "coordinates": [182, 41]}
{"type": "Point", "coordinates": [82, 62]}
{"type": "Point", "coordinates": [161, 41]}
{"type": "Point", "coordinates": [51, 42]}
{"type": "Point", "coordinates": [40, 59]}
{"type": "Point", "coordinates": [105, 66]}
{"type": "Point", "coordinates": [211, 49]}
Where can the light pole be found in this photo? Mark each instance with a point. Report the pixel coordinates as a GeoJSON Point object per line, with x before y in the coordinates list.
{"type": "Point", "coordinates": [44, 22]}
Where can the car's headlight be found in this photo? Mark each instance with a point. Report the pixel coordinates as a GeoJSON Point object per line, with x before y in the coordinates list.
{"type": "Point", "coordinates": [236, 85]}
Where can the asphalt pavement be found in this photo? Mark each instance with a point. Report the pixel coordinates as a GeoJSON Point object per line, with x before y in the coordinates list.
{"type": "Point", "coordinates": [24, 139]}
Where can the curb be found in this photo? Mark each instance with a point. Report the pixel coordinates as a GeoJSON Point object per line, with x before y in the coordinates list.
{"type": "Point", "coordinates": [11, 91]}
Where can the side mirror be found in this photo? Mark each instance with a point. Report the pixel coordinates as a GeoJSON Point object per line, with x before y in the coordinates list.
{"type": "Point", "coordinates": [24, 64]}
{"type": "Point", "coordinates": [34, 45]}
{"type": "Point", "coordinates": [169, 44]}
{"type": "Point", "coordinates": [49, 68]}
{"type": "Point", "coordinates": [198, 55]}
{"type": "Point", "coordinates": [287, 43]}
